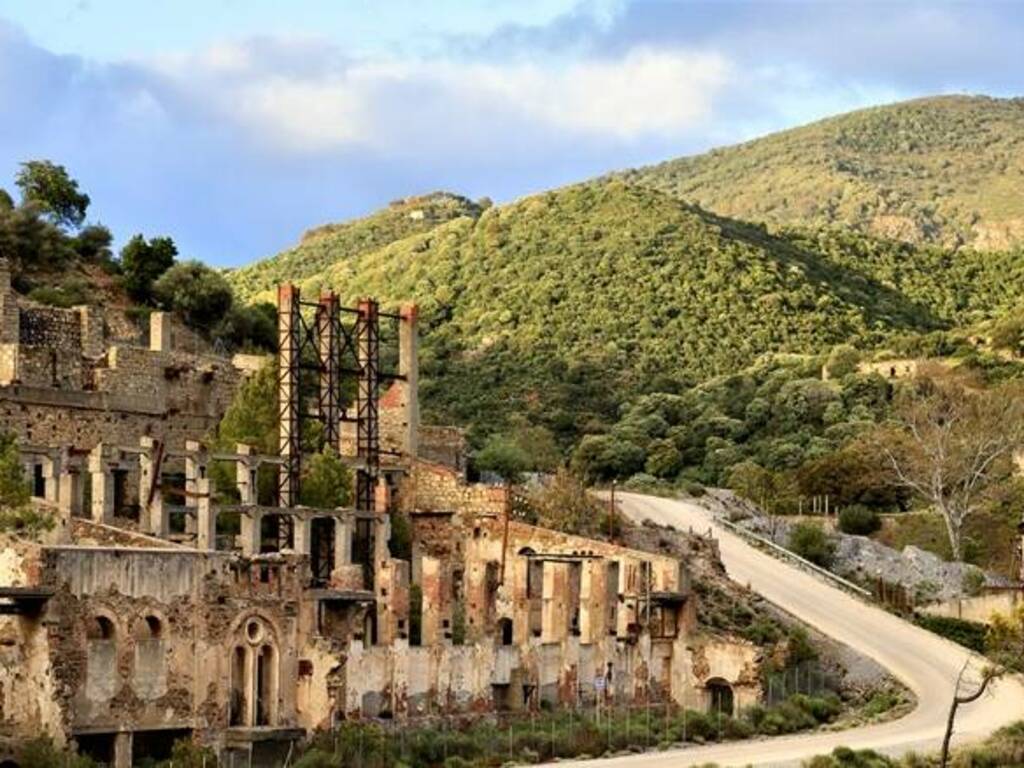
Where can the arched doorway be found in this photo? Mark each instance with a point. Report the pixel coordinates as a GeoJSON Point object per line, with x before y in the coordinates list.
{"type": "Point", "coordinates": [719, 696]}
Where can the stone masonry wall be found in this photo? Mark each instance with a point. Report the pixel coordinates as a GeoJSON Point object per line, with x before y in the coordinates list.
{"type": "Point", "coordinates": [59, 329]}
{"type": "Point", "coordinates": [437, 488]}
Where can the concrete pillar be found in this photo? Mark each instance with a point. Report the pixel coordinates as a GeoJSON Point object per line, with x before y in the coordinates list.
{"type": "Point", "coordinates": [195, 470]}
{"type": "Point", "coordinates": [302, 534]}
{"type": "Point", "coordinates": [554, 621]}
{"type": "Point", "coordinates": [250, 533]}
{"type": "Point", "coordinates": [102, 480]}
{"type": "Point", "coordinates": [123, 750]}
{"type": "Point", "coordinates": [408, 366]}
{"type": "Point", "coordinates": [246, 475]}
{"type": "Point", "coordinates": [343, 541]}
{"type": "Point", "coordinates": [70, 491]}
{"type": "Point", "coordinates": [147, 468]}
{"type": "Point", "coordinates": [206, 516]}
{"type": "Point", "coordinates": [160, 332]}
{"type": "Point", "coordinates": [51, 477]}
{"type": "Point", "coordinates": [382, 497]}
{"type": "Point", "coordinates": [381, 536]}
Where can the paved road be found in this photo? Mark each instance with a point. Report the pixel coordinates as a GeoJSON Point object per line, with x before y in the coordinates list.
{"type": "Point", "coordinates": [925, 663]}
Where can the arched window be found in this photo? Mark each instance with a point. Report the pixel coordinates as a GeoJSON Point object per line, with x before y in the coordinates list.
{"type": "Point", "coordinates": [150, 658]}
{"type": "Point", "coordinates": [255, 676]}
{"type": "Point", "coordinates": [266, 685]}
{"type": "Point", "coordinates": [238, 704]}
{"type": "Point", "coordinates": [101, 675]}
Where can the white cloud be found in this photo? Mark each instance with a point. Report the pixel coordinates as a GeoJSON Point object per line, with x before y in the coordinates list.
{"type": "Point", "coordinates": [642, 93]}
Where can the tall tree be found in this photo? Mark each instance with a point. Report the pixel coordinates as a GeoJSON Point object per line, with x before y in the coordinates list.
{"type": "Point", "coordinates": [952, 440]}
{"type": "Point", "coordinates": [49, 186]}
{"type": "Point", "coordinates": [143, 262]}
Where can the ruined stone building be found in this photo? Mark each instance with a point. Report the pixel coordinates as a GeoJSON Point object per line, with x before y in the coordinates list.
{"type": "Point", "coordinates": [205, 614]}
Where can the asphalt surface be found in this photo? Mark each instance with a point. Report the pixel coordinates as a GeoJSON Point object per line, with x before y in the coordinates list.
{"type": "Point", "coordinates": [927, 664]}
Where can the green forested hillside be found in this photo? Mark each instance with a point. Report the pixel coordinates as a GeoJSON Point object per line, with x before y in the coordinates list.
{"type": "Point", "coordinates": [946, 170]}
{"type": "Point", "coordinates": [565, 305]}
{"type": "Point", "coordinates": [323, 246]}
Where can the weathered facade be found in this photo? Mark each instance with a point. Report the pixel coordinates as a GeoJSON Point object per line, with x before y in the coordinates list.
{"type": "Point", "coordinates": [248, 626]}
{"type": "Point", "coordinates": [69, 378]}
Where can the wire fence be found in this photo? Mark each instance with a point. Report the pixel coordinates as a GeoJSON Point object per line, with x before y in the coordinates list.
{"type": "Point", "coordinates": [809, 678]}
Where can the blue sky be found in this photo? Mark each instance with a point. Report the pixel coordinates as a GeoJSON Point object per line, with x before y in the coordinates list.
{"type": "Point", "coordinates": [234, 125]}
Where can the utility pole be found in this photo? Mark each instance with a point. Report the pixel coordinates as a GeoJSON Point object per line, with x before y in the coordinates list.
{"type": "Point", "coordinates": [611, 514]}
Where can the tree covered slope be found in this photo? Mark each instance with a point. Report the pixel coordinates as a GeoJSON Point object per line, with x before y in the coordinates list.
{"type": "Point", "coordinates": [323, 246]}
{"type": "Point", "coordinates": [564, 305]}
{"type": "Point", "coordinates": [946, 170]}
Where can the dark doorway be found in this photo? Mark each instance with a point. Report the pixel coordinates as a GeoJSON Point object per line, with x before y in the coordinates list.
{"type": "Point", "coordinates": [505, 625]}
{"type": "Point", "coordinates": [362, 549]}
{"type": "Point", "coordinates": [721, 696]}
{"type": "Point", "coordinates": [322, 556]}
{"type": "Point", "coordinates": [97, 746]}
{"type": "Point", "coordinates": [38, 481]}
{"type": "Point", "coordinates": [154, 746]}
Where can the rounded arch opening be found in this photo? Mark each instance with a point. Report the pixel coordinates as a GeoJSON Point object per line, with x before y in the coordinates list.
{"type": "Point", "coordinates": [505, 631]}
{"type": "Point", "coordinates": [154, 626]}
{"type": "Point", "coordinates": [101, 628]}
{"type": "Point", "coordinates": [720, 696]}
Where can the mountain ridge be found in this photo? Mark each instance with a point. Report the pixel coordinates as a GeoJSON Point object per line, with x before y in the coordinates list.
{"type": "Point", "coordinates": [947, 170]}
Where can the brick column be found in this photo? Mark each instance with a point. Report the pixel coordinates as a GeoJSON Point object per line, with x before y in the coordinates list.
{"type": "Point", "coordinates": [408, 366]}
{"type": "Point", "coordinates": [10, 332]}
{"type": "Point", "coordinates": [91, 321]}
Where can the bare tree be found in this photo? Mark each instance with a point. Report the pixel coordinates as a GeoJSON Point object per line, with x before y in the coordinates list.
{"type": "Point", "coordinates": [951, 441]}
{"type": "Point", "coordinates": [960, 696]}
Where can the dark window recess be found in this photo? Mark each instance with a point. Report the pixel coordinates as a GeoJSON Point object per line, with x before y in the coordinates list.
{"type": "Point", "coordinates": [305, 668]}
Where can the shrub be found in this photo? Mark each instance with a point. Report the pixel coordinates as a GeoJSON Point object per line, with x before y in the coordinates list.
{"type": "Point", "coordinates": [970, 634]}
{"type": "Point", "coordinates": [42, 753]}
{"type": "Point", "coordinates": [858, 520]}
{"type": "Point", "coordinates": [810, 542]}
{"type": "Point", "coordinates": [200, 295]}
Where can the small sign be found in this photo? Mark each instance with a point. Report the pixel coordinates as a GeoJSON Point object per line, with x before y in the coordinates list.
{"type": "Point", "coordinates": [599, 683]}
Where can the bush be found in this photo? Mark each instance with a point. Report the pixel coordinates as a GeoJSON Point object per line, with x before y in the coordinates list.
{"type": "Point", "coordinates": [970, 634]}
{"type": "Point", "coordinates": [858, 520]}
{"type": "Point", "coordinates": [809, 541]}
{"type": "Point", "coordinates": [200, 295]}
{"type": "Point", "coordinates": [42, 753]}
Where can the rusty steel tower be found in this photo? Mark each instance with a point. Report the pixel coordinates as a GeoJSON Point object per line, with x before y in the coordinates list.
{"type": "Point", "coordinates": [340, 347]}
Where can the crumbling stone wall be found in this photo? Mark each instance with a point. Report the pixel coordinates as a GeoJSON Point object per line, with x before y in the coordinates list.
{"type": "Point", "coordinates": [59, 329]}
{"type": "Point", "coordinates": [60, 384]}
{"type": "Point", "coordinates": [436, 487]}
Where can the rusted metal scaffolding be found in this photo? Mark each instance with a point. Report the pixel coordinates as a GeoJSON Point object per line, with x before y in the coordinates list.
{"type": "Point", "coordinates": [343, 351]}
{"type": "Point", "coordinates": [367, 403]}
{"type": "Point", "coordinates": [289, 353]}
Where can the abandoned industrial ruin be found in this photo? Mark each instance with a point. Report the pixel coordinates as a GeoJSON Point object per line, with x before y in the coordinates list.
{"type": "Point", "coordinates": [138, 620]}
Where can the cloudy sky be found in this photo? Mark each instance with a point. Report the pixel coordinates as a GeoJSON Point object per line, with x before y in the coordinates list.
{"type": "Point", "coordinates": [233, 125]}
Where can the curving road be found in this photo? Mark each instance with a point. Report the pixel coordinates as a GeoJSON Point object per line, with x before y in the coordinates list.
{"type": "Point", "coordinates": [925, 663]}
